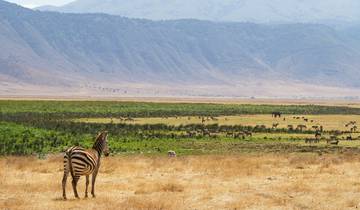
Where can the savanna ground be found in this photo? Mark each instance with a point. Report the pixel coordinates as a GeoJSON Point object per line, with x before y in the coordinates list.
{"type": "Point", "coordinates": [273, 168]}
{"type": "Point", "coordinates": [243, 181]}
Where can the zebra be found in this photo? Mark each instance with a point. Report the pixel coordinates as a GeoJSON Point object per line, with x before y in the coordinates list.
{"type": "Point", "coordinates": [83, 162]}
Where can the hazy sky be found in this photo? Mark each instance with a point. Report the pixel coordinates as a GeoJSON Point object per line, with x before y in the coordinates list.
{"type": "Point", "coordinates": [36, 3]}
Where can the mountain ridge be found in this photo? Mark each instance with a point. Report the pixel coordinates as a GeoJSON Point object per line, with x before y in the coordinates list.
{"type": "Point", "coordinates": [260, 11]}
{"type": "Point", "coordinates": [116, 54]}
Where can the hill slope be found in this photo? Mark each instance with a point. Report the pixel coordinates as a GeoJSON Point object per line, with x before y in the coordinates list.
{"type": "Point", "coordinates": [112, 53]}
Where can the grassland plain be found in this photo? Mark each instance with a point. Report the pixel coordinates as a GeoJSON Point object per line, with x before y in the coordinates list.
{"type": "Point", "coordinates": [242, 181]}
{"type": "Point", "coordinates": [41, 127]}
{"type": "Point", "coordinates": [273, 168]}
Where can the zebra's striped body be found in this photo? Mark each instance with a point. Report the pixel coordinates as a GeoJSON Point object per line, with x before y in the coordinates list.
{"type": "Point", "coordinates": [83, 162]}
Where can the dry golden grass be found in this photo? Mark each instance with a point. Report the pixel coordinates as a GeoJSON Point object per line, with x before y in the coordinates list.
{"type": "Point", "coordinates": [244, 181]}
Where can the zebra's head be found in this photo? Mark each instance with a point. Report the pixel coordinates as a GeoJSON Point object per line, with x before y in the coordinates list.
{"type": "Point", "coordinates": [106, 146]}
{"type": "Point", "coordinates": [102, 143]}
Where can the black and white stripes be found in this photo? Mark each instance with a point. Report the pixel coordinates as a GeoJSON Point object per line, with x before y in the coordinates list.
{"type": "Point", "coordinates": [83, 162]}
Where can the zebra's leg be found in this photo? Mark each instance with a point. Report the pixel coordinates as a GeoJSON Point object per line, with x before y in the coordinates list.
{"type": "Point", "coordinates": [74, 183]}
{"type": "Point", "coordinates": [87, 184]}
{"type": "Point", "coordinates": [66, 173]}
{"type": "Point", "coordinates": [93, 182]}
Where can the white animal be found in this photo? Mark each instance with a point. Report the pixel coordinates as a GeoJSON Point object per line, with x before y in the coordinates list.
{"type": "Point", "coordinates": [171, 153]}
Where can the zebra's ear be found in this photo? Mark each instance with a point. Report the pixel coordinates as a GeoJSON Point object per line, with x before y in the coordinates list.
{"type": "Point", "coordinates": [105, 134]}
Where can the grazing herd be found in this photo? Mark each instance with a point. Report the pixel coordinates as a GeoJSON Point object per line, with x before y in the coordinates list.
{"type": "Point", "coordinates": [334, 138]}
{"type": "Point", "coordinates": [308, 125]}
{"type": "Point", "coordinates": [204, 132]}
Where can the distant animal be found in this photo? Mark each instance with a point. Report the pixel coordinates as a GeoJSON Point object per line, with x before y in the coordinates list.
{"type": "Point", "coordinates": [202, 120]}
{"type": "Point", "coordinates": [214, 118]}
{"type": "Point", "coordinates": [333, 140]}
{"type": "Point", "coordinates": [350, 123]}
{"type": "Point", "coordinates": [276, 114]}
{"type": "Point", "coordinates": [337, 132]}
{"type": "Point", "coordinates": [191, 133]}
{"type": "Point", "coordinates": [349, 138]}
{"type": "Point", "coordinates": [301, 127]}
{"type": "Point", "coordinates": [315, 127]}
{"type": "Point", "coordinates": [333, 137]}
{"type": "Point", "coordinates": [310, 140]}
{"type": "Point", "coordinates": [129, 119]}
{"type": "Point", "coordinates": [206, 132]}
{"type": "Point", "coordinates": [229, 134]}
{"type": "Point", "coordinates": [83, 162]}
{"type": "Point", "coordinates": [239, 135]}
{"type": "Point", "coordinates": [336, 142]}
{"type": "Point", "coordinates": [171, 153]}
{"type": "Point", "coordinates": [247, 133]}
{"type": "Point", "coordinates": [353, 129]}
{"type": "Point", "coordinates": [275, 125]}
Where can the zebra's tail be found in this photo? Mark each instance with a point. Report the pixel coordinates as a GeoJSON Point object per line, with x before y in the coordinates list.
{"type": "Point", "coordinates": [68, 155]}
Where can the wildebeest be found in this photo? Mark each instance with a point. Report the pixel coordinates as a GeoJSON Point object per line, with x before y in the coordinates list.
{"type": "Point", "coordinates": [239, 135]}
{"type": "Point", "coordinates": [300, 127]}
{"type": "Point", "coordinates": [350, 123]}
{"type": "Point", "coordinates": [353, 129]}
{"type": "Point", "coordinates": [276, 114]}
{"type": "Point", "coordinates": [229, 134]}
{"type": "Point", "coordinates": [247, 133]}
{"type": "Point", "coordinates": [315, 127]}
{"type": "Point", "coordinates": [206, 132]}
